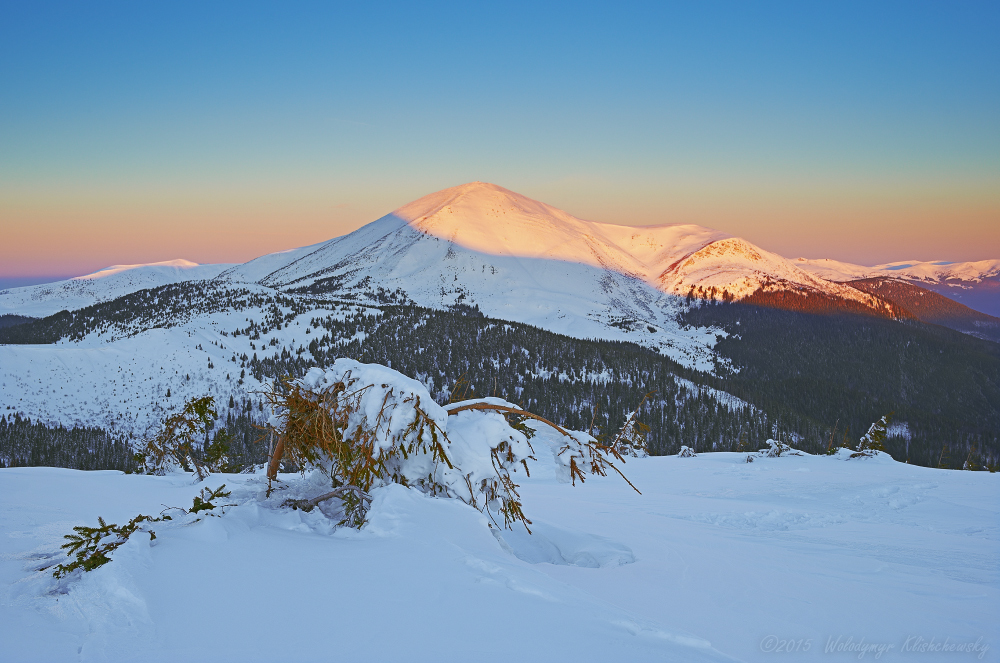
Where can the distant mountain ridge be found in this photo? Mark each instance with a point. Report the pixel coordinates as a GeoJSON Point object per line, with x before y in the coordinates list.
{"type": "Point", "coordinates": [523, 260]}
{"type": "Point", "coordinates": [101, 286]}
{"type": "Point", "coordinates": [974, 284]}
{"type": "Point", "coordinates": [492, 221]}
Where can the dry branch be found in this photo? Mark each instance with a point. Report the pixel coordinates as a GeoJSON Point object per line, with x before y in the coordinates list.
{"type": "Point", "coordinates": [309, 505]}
{"type": "Point", "coordinates": [504, 408]}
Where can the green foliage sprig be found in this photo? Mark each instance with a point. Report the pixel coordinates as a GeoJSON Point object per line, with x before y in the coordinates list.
{"type": "Point", "coordinates": [93, 545]}
{"type": "Point", "coordinates": [205, 500]}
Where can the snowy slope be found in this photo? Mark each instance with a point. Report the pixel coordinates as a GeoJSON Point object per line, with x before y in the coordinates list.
{"type": "Point", "coordinates": [739, 268]}
{"type": "Point", "coordinates": [259, 268]}
{"type": "Point", "coordinates": [812, 550]}
{"type": "Point", "coordinates": [122, 384]}
{"type": "Point", "coordinates": [101, 286]}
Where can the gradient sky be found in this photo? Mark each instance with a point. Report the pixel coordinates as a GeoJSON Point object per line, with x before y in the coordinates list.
{"type": "Point", "coordinates": [138, 132]}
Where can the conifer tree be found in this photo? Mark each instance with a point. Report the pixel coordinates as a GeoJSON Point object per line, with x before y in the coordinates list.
{"type": "Point", "coordinates": [874, 440]}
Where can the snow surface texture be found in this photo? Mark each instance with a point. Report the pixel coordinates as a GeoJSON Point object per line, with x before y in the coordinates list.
{"type": "Point", "coordinates": [742, 556]}
{"type": "Point", "coordinates": [110, 283]}
{"type": "Point", "coordinates": [122, 385]}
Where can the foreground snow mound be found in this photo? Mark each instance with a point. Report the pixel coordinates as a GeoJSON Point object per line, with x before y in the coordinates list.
{"type": "Point", "coordinates": [424, 580]}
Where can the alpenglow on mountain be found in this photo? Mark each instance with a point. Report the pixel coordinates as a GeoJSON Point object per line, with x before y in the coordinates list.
{"type": "Point", "coordinates": [448, 236]}
{"type": "Point", "coordinates": [520, 259]}
{"type": "Point", "coordinates": [409, 290]}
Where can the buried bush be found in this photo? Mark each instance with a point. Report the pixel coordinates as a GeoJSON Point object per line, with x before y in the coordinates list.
{"type": "Point", "coordinates": [365, 426]}
{"type": "Point", "coordinates": [775, 449]}
{"type": "Point", "coordinates": [92, 546]}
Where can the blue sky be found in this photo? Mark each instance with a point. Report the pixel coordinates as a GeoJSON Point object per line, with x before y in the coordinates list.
{"type": "Point", "coordinates": [135, 132]}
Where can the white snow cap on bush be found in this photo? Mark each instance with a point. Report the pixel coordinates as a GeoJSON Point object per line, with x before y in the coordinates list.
{"type": "Point", "coordinates": [390, 403]}
{"type": "Point", "coordinates": [468, 455]}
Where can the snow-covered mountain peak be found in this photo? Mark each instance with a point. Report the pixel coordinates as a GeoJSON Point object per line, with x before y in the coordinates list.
{"type": "Point", "coordinates": [490, 219]}
{"type": "Point", "coordinates": [479, 243]}
{"type": "Point", "coordinates": [733, 267]}
{"type": "Point", "coordinates": [493, 220]}
{"type": "Point", "coordinates": [475, 198]}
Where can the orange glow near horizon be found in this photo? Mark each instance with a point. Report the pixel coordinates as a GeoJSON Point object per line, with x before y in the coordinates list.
{"type": "Point", "coordinates": [77, 235]}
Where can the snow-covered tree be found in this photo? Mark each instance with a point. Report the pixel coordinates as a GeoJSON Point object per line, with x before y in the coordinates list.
{"type": "Point", "coordinates": [874, 440]}
{"type": "Point", "coordinates": [366, 425]}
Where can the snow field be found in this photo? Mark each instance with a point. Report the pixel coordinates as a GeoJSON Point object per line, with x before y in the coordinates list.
{"type": "Point", "coordinates": [714, 550]}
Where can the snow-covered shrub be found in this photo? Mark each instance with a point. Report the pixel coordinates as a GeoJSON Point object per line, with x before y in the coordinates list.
{"type": "Point", "coordinates": [778, 448]}
{"type": "Point", "coordinates": [973, 462]}
{"type": "Point", "coordinates": [366, 425]}
{"type": "Point", "coordinates": [874, 440]}
{"type": "Point", "coordinates": [686, 452]}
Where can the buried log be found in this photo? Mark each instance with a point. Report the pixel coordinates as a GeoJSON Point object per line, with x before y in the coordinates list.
{"type": "Point", "coordinates": [309, 505]}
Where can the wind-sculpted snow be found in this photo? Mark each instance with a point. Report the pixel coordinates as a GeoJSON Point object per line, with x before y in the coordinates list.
{"type": "Point", "coordinates": [556, 545]}
{"type": "Point", "coordinates": [714, 551]}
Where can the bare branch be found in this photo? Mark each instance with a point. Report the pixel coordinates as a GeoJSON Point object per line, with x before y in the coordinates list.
{"type": "Point", "coordinates": [504, 408]}
{"type": "Point", "coordinates": [309, 505]}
